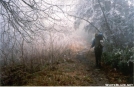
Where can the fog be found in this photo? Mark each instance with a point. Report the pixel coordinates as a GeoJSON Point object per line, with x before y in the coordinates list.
{"type": "Point", "coordinates": [39, 26]}
{"type": "Point", "coordinates": [32, 32]}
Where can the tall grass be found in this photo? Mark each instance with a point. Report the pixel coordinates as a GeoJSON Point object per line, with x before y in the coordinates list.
{"type": "Point", "coordinates": [22, 61]}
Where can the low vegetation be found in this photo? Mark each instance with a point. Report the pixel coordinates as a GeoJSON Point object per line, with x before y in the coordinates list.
{"type": "Point", "coordinates": [122, 60]}
{"type": "Point", "coordinates": [63, 71]}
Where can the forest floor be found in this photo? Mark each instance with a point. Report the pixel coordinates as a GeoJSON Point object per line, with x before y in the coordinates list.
{"type": "Point", "coordinates": [79, 70]}
{"type": "Point", "coordinates": [76, 70]}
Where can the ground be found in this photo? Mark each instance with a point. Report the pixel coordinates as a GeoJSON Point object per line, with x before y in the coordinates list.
{"type": "Point", "coordinates": [75, 67]}
{"type": "Point", "coordinates": [77, 70]}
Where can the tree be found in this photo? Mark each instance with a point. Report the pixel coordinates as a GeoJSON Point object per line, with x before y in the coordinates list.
{"type": "Point", "coordinates": [24, 22]}
{"type": "Point", "coordinates": [111, 17]}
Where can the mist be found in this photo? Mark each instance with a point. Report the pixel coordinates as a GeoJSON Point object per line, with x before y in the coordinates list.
{"type": "Point", "coordinates": [39, 31]}
{"type": "Point", "coordinates": [42, 33]}
{"type": "Point", "coordinates": [57, 31]}
{"type": "Point", "coordinates": [60, 23]}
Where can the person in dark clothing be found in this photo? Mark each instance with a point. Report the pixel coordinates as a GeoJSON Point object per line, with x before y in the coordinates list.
{"type": "Point", "coordinates": [97, 44]}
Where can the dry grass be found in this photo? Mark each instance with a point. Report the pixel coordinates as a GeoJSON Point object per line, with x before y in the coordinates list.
{"type": "Point", "coordinates": [115, 76]}
{"type": "Point", "coordinates": [44, 69]}
{"type": "Point", "coordinates": [64, 73]}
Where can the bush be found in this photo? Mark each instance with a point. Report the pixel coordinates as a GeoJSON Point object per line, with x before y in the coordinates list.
{"type": "Point", "coordinates": [14, 75]}
{"type": "Point", "coordinates": [110, 59]}
{"type": "Point", "coordinates": [123, 67]}
{"type": "Point", "coordinates": [120, 59]}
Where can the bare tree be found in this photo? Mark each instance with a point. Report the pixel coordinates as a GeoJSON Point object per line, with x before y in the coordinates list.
{"type": "Point", "coordinates": [110, 17]}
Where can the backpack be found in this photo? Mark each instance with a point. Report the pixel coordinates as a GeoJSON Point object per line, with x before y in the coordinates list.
{"type": "Point", "coordinates": [99, 40]}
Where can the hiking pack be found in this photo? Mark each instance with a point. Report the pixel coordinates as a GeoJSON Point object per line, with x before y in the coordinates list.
{"type": "Point", "coordinates": [99, 40]}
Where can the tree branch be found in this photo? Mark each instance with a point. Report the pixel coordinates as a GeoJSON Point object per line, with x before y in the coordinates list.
{"type": "Point", "coordinates": [104, 17]}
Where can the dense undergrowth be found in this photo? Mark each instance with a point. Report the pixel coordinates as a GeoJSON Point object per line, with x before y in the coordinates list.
{"type": "Point", "coordinates": [40, 68]}
{"type": "Point", "coordinates": [17, 73]}
{"type": "Point", "coordinates": [61, 72]}
{"type": "Point", "coordinates": [121, 60]}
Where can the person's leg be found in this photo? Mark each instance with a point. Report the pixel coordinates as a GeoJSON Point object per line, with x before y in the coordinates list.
{"type": "Point", "coordinates": [96, 57]}
{"type": "Point", "coordinates": [99, 57]}
{"type": "Point", "coordinates": [97, 65]}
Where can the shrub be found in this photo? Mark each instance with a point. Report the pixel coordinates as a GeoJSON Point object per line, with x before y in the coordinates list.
{"type": "Point", "coordinates": [120, 59]}
{"type": "Point", "coordinates": [123, 67]}
{"type": "Point", "coordinates": [14, 75]}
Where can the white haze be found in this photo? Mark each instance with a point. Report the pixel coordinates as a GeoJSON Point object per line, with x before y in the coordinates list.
{"type": "Point", "coordinates": [67, 34]}
{"type": "Point", "coordinates": [59, 33]}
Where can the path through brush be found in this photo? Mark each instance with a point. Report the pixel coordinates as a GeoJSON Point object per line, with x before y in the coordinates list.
{"type": "Point", "coordinates": [76, 70]}
{"type": "Point", "coordinates": [87, 59]}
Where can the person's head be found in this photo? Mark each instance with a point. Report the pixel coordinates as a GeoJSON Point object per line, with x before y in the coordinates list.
{"type": "Point", "coordinates": [98, 35]}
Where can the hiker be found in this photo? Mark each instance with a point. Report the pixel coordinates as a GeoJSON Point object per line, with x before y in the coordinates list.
{"type": "Point", "coordinates": [98, 46]}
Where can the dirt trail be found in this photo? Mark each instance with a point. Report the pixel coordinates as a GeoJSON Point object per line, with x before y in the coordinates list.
{"type": "Point", "coordinates": [87, 59]}
{"type": "Point", "coordinates": [76, 70]}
